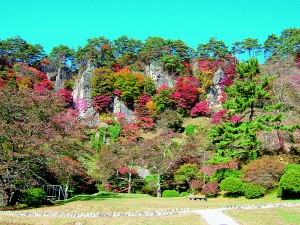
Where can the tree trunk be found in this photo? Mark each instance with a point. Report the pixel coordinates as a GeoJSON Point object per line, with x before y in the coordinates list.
{"type": "Point", "coordinates": [251, 112]}
{"type": "Point", "coordinates": [158, 190]}
{"type": "Point", "coordinates": [129, 181]}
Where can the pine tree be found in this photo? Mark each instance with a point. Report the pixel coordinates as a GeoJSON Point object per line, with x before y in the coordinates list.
{"type": "Point", "coordinates": [248, 111]}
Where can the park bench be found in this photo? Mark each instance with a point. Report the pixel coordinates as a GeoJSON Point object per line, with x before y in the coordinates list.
{"type": "Point", "coordinates": [197, 198]}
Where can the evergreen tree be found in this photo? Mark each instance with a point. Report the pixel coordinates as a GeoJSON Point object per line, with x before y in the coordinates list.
{"type": "Point", "coordinates": [248, 111]}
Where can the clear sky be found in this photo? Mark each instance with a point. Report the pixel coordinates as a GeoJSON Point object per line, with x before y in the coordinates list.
{"type": "Point", "coordinates": [71, 22]}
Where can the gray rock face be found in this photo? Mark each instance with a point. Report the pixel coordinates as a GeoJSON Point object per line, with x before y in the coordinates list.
{"type": "Point", "coordinates": [58, 77]}
{"type": "Point", "coordinates": [82, 98]}
{"type": "Point", "coordinates": [215, 92]}
{"type": "Point", "coordinates": [120, 107]}
{"type": "Point", "coordinates": [156, 72]}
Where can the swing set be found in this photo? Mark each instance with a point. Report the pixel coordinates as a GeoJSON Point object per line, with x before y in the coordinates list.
{"type": "Point", "coordinates": [54, 192]}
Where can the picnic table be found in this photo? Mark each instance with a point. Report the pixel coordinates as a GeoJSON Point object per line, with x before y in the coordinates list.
{"type": "Point", "coordinates": [197, 198]}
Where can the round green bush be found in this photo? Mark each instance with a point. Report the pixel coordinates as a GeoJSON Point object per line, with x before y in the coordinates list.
{"type": "Point", "coordinates": [290, 181]}
{"type": "Point", "coordinates": [233, 186]}
{"type": "Point", "coordinates": [170, 193]}
{"type": "Point", "coordinates": [182, 194]}
{"type": "Point", "coordinates": [33, 197]}
{"type": "Point", "coordinates": [253, 191]}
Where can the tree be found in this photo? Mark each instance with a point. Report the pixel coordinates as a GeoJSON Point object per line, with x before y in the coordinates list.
{"type": "Point", "coordinates": [158, 154]}
{"type": "Point", "coordinates": [16, 49]}
{"type": "Point", "coordinates": [62, 57]}
{"type": "Point", "coordinates": [213, 49]}
{"type": "Point", "coordinates": [37, 137]}
{"type": "Point", "coordinates": [251, 46]}
{"type": "Point", "coordinates": [124, 45]}
{"type": "Point", "coordinates": [285, 45]}
{"type": "Point", "coordinates": [248, 112]}
{"type": "Point", "coordinates": [153, 49]}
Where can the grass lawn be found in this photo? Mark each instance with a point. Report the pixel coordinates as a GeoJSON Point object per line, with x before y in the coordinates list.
{"type": "Point", "coordinates": [191, 219]}
{"type": "Point", "coordinates": [107, 202]}
{"type": "Point", "coordinates": [136, 202]}
{"type": "Point", "coordinates": [284, 216]}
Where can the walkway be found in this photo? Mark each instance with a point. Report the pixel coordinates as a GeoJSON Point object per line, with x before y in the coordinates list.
{"type": "Point", "coordinates": [215, 217]}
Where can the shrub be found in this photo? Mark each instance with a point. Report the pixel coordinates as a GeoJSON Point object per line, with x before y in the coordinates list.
{"type": "Point", "coordinates": [210, 189]}
{"type": "Point", "coordinates": [221, 174]}
{"type": "Point", "coordinates": [171, 119]}
{"type": "Point", "coordinates": [265, 172]}
{"type": "Point", "coordinates": [290, 182]}
{"type": "Point", "coordinates": [253, 191]}
{"type": "Point", "coordinates": [190, 129]}
{"type": "Point", "coordinates": [170, 193]}
{"type": "Point", "coordinates": [182, 194]}
{"type": "Point", "coordinates": [33, 197]}
{"type": "Point", "coordinates": [232, 185]}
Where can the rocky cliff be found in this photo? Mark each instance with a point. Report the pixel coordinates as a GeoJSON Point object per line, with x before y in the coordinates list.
{"type": "Point", "coordinates": [82, 98]}
{"type": "Point", "coordinates": [156, 72]}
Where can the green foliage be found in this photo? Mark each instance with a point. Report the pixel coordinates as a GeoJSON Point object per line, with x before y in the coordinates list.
{"type": "Point", "coordinates": [163, 99]}
{"type": "Point", "coordinates": [172, 64]}
{"type": "Point", "coordinates": [190, 129]}
{"type": "Point", "coordinates": [221, 174]}
{"type": "Point", "coordinates": [284, 45]}
{"type": "Point", "coordinates": [249, 98]}
{"type": "Point", "coordinates": [290, 181]}
{"type": "Point", "coordinates": [170, 193]}
{"type": "Point", "coordinates": [33, 197]}
{"type": "Point", "coordinates": [233, 186]}
{"type": "Point", "coordinates": [102, 83]}
{"type": "Point", "coordinates": [129, 84]}
{"type": "Point", "coordinates": [171, 119]}
{"type": "Point", "coordinates": [187, 172]}
{"type": "Point", "coordinates": [214, 49]}
{"type": "Point", "coordinates": [114, 131]}
{"type": "Point", "coordinates": [183, 194]}
{"type": "Point", "coordinates": [149, 86]}
{"type": "Point", "coordinates": [253, 191]}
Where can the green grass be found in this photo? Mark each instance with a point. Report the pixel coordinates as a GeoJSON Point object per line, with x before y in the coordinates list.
{"type": "Point", "coordinates": [284, 216]}
{"type": "Point", "coordinates": [112, 202]}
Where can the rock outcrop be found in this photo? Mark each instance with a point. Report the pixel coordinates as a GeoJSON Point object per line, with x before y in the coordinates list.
{"type": "Point", "coordinates": [156, 72]}
{"type": "Point", "coordinates": [82, 98]}
{"type": "Point", "coordinates": [216, 90]}
{"type": "Point", "coordinates": [120, 107]}
{"type": "Point", "coordinates": [58, 76]}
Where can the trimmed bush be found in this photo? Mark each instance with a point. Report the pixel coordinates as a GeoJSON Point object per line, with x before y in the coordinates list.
{"type": "Point", "coordinates": [233, 186]}
{"type": "Point", "coordinates": [265, 172]}
{"type": "Point", "coordinates": [290, 182]}
{"type": "Point", "coordinates": [170, 193]}
{"type": "Point", "coordinates": [182, 194]}
{"type": "Point", "coordinates": [253, 191]}
{"type": "Point", "coordinates": [33, 197]}
{"type": "Point", "coordinates": [210, 189]}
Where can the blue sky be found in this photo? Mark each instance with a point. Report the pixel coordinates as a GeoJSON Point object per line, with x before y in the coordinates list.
{"type": "Point", "coordinates": [71, 22]}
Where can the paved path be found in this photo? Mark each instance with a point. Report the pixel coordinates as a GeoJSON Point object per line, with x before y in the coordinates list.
{"type": "Point", "coordinates": [215, 217]}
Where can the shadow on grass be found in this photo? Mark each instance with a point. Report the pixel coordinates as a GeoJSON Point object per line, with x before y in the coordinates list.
{"type": "Point", "coordinates": [99, 196]}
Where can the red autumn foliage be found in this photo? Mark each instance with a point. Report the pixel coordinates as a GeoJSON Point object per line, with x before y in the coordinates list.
{"type": "Point", "coordinates": [186, 92]}
{"type": "Point", "coordinates": [66, 96]}
{"type": "Point", "coordinates": [145, 122]}
{"type": "Point", "coordinates": [200, 109]}
{"type": "Point", "coordinates": [210, 189]}
{"type": "Point", "coordinates": [130, 132]}
{"type": "Point", "coordinates": [101, 103]}
{"type": "Point", "coordinates": [210, 169]}
{"type": "Point", "coordinates": [123, 170]}
{"type": "Point", "coordinates": [221, 116]}
{"type": "Point", "coordinates": [141, 109]}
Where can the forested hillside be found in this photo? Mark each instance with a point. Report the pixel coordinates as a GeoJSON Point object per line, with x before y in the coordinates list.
{"type": "Point", "coordinates": [127, 115]}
